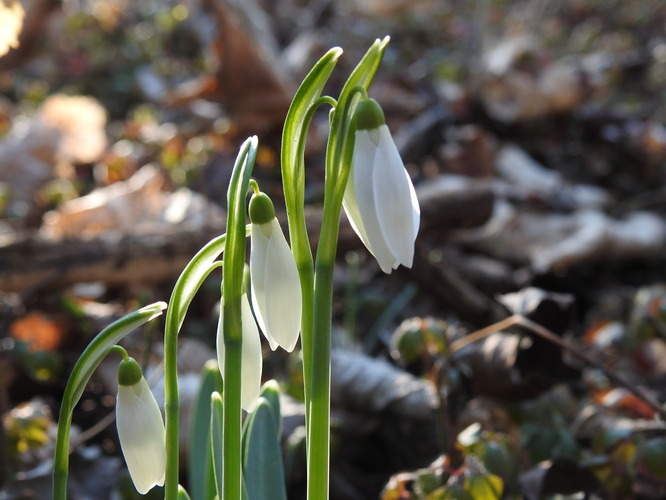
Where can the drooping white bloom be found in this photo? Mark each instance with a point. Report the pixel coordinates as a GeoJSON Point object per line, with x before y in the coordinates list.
{"type": "Point", "coordinates": [380, 200]}
{"type": "Point", "coordinates": [251, 363]}
{"type": "Point", "coordinates": [276, 287]}
{"type": "Point", "coordinates": [140, 428]}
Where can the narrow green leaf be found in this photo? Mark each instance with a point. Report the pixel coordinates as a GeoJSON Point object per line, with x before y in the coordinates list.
{"type": "Point", "coordinates": [298, 119]}
{"type": "Point", "coordinates": [190, 280]}
{"type": "Point", "coordinates": [100, 346]}
{"type": "Point", "coordinates": [271, 392]}
{"type": "Point", "coordinates": [263, 468]}
{"type": "Point", "coordinates": [201, 474]}
{"type": "Point", "coordinates": [216, 416]}
{"type": "Point", "coordinates": [232, 291]}
{"type": "Point", "coordinates": [182, 493]}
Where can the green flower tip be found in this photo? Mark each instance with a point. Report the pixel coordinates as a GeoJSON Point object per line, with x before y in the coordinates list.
{"type": "Point", "coordinates": [369, 115]}
{"type": "Point", "coordinates": [261, 209]}
{"type": "Point", "coordinates": [129, 372]}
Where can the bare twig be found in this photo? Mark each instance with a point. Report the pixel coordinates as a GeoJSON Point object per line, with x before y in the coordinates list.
{"type": "Point", "coordinates": [519, 320]}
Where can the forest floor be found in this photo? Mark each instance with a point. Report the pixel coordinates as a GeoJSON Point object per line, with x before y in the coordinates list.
{"type": "Point", "coordinates": [524, 353]}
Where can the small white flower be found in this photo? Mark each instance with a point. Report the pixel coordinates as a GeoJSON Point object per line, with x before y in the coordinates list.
{"type": "Point", "coordinates": [380, 200]}
{"type": "Point", "coordinates": [251, 363]}
{"type": "Point", "coordinates": [276, 287]}
{"type": "Point", "coordinates": [140, 428]}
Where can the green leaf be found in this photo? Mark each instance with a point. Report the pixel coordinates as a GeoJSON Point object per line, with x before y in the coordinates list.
{"type": "Point", "coordinates": [201, 473]}
{"type": "Point", "coordinates": [182, 493]}
{"type": "Point", "coordinates": [216, 416]}
{"type": "Point", "coordinates": [298, 121]}
{"type": "Point", "coordinates": [484, 486]}
{"type": "Point", "coordinates": [100, 346]}
{"type": "Point", "coordinates": [232, 291]}
{"type": "Point", "coordinates": [271, 392]}
{"type": "Point", "coordinates": [190, 280]}
{"type": "Point", "coordinates": [263, 468]}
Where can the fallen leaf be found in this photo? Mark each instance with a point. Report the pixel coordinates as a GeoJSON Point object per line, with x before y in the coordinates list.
{"type": "Point", "coordinates": [40, 331]}
{"type": "Point", "coordinates": [372, 385]}
{"type": "Point", "coordinates": [11, 22]}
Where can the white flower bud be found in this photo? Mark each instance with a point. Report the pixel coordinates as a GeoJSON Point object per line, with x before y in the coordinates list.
{"type": "Point", "coordinates": [140, 428]}
{"type": "Point", "coordinates": [380, 200]}
{"type": "Point", "coordinates": [276, 287]}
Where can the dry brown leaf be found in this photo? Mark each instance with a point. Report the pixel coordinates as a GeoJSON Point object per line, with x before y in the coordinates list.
{"type": "Point", "coordinates": [40, 331]}
{"type": "Point", "coordinates": [136, 205]}
{"type": "Point", "coordinates": [65, 130]}
{"type": "Point", "coordinates": [11, 22]}
{"type": "Point", "coordinates": [79, 122]}
{"type": "Point", "coordinates": [371, 385]}
{"type": "Point", "coordinates": [247, 79]}
{"type": "Point", "coordinates": [514, 85]}
{"type": "Point", "coordinates": [551, 242]}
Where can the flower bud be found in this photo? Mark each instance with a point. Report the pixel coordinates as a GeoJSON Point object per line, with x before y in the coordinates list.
{"type": "Point", "coordinates": [380, 200]}
{"type": "Point", "coordinates": [276, 286]}
{"type": "Point", "coordinates": [140, 428]}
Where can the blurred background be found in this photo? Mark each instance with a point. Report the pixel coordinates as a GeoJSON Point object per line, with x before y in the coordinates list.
{"type": "Point", "coordinates": [534, 132]}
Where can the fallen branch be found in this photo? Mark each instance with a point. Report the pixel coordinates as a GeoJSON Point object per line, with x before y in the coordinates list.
{"type": "Point", "coordinates": [32, 263]}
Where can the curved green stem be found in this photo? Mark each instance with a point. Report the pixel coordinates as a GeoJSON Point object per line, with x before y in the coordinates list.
{"type": "Point", "coordinates": [89, 360]}
{"type": "Point", "coordinates": [294, 137]}
{"type": "Point", "coordinates": [190, 280]}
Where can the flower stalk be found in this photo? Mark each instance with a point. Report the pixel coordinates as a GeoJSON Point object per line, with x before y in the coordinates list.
{"type": "Point", "coordinates": [232, 320]}
{"type": "Point", "coordinates": [317, 278]}
{"type": "Point", "coordinates": [87, 363]}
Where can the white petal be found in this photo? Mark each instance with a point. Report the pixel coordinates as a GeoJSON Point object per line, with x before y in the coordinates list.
{"type": "Point", "coordinates": [282, 293]}
{"type": "Point", "coordinates": [365, 197]}
{"type": "Point", "coordinates": [141, 433]}
{"type": "Point", "coordinates": [364, 153]}
{"type": "Point", "coordinates": [258, 248]}
{"type": "Point", "coordinates": [252, 362]}
{"type": "Point", "coordinates": [395, 200]}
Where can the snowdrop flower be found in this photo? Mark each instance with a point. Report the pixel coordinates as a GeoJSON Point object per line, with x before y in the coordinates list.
{"type": "Point", "coordinates": [251, 363]}
{"type": "Point", "coordinates": [140, 428]}
{"type": "Point", "coordinates": [276, 287]}
{"type": "Point", "coordinates": [380, 200]}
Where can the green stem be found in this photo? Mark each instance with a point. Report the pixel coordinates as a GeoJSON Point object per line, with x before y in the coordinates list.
{"type": "Point", "coordinates": [232, 419]}
{"type": "Point", "coordinates": [87, 363]}
{"type": "Point", "coordinates": [303, 255]}
{"type": "Point", "coordinates": [196, 271]}
{"type": "Point", "coordinates": [232, 291]}
{"type": "Point", "coordinates": [319, 404]}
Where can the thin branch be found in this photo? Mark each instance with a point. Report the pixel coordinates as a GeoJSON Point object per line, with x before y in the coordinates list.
{"type": "Point", "coordinates": [541, 331]}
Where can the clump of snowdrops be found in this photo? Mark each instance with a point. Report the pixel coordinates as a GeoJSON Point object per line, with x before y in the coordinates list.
{"type": "Point", "coordinates": [288, 298]}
